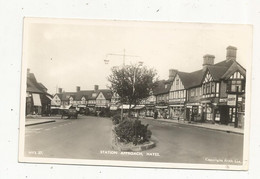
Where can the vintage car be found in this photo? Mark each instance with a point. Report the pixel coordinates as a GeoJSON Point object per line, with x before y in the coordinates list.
{"type": "Point", "coordinates": [69, 111]}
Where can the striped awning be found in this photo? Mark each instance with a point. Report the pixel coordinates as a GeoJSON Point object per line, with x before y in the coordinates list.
{"type": "Point", "coordinates": [36, 99]}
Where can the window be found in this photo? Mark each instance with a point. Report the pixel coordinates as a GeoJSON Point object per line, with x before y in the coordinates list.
{"type": "Point", "coordinates": [177, 84]}
{"type": "Point", "coordinates": [212, 87]}
{"type": "Point", "coordinates": [234, 85]}
{"type": "Point", "coordinates": [208, 88]}
{"type": "Point", "coordinates": [192, 93]}
{"type": "Point", "coordinates": [181, 94]}
{"type": "Point", "coordinates": [204, 88]}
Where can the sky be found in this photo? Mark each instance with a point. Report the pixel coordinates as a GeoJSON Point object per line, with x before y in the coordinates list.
{"type": "Point", "coordinates": [69, 53]}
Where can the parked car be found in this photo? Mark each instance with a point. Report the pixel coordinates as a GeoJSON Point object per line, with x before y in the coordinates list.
{"type": "Point", "coordinates": [70, 112]}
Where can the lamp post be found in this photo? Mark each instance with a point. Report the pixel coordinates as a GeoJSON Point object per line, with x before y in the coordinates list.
{"type": "Point", "coordinates": [236, 117]}
{"type": "Point", "coordinates": [122, 55]}
{"type": "Point", "coordinates": [140, 64]}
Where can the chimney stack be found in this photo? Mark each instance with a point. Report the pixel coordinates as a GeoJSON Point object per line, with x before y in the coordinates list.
{"type": "Point", "coordinates": [208, 60]}
{"type": "Point", "coordinates": [172, 73]}
{"type": "Point", "coordinates": [77, 88]}
{"type": "Point", "coordinates": [60, 90]}
{"type": "Point", "coordinates": [231, 53]}
{"type": "Point", "coordinates": [95, 87]}
{"type": "Point", "coordinates": [28, 71]}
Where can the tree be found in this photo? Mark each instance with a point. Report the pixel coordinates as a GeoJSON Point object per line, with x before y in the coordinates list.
{"type": "Point", "coordinates": [131, 83]}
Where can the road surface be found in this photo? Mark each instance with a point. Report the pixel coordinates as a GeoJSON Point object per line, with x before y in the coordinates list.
{"type": "Point", "coordinates": [90, 138]}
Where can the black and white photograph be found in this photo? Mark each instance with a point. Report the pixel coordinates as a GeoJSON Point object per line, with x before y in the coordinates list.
{"type": "Point", "coordinates": [135, 93]}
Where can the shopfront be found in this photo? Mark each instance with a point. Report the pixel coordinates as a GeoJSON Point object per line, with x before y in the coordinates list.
{"type": "Point", "coordinates": [149, 110]}
{"type": "Point", "coordinates": [193, 111]}
{"type": "Point", "coordinates": [177, 111]}
{"type": "Point", "coordinates": [162, 111]}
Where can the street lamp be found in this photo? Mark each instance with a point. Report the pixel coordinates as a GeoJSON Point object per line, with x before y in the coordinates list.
{"type": "Point", "coordinates": [122, 55]}
{"type": "Point", "coordinates": [140, 64]}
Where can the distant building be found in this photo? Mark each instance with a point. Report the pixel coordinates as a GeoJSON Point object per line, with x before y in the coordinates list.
{"type": "Point", "coordinates": [91, 100]}
{"type": "Point", "coordinates": [38, 100]}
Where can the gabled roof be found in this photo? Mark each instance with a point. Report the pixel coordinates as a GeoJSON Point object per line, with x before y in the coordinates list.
{"type": "Point", "coordinates": [107, 93]}
{"type": "Point", "coordinates": [185, 78]}
{"type": "Point", "coordinates": [195, 78]}
{"type": "Point", "coordinates": [217, 71]}
{"type": "Point", "coordinates": [66, 95]}
{"type": "Point", "coordinates": [34, 87]}
{"type": "Point", "coordinates": [232, 69]}
{"type": "Point", "coordinates": [42, 86]}
{"type": "Point", "coordinates": [77, 96]}
{"type": "Point", "coordinates": [31, 87]}
{"type": "Point", "coordinates": [162, 87]}
{"type": "Point", "coordinates": [85, 93]}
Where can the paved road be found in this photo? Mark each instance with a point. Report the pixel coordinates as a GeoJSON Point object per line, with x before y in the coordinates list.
{"type": "Point", "coordinates": [90, 138]}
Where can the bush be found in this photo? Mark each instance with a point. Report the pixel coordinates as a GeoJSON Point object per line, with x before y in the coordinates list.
{"type": "Point", "coordinates": [116, 119]}
{"type": "Point", "coordinates": [132, 131]}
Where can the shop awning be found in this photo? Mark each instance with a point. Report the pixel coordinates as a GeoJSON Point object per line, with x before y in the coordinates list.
{"type": "Point", "coordinates": [161, 107]}
{"type": "Point", "coordinates": [55, 107]}
{"type": "Point", "coordinates": [176, 105]}
{"type": "Point", "coordinates": [139, 107]}
{"type": "Point", "coordinates": [81, 106]}
{"type": "Point", "coordinates": [65, 107]}
{"type": "Point", "coordinates": [36, 100]}
{"type": "Point", "coordinates": [125, 106]}
{"type": "Point", "coordinates": [149, 107]}
{"type": "Point", "coordinates": [113, 108]}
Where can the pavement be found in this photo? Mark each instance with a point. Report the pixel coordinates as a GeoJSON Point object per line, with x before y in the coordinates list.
{"type": "Point", "coordinates": [90, 138]}
{"type": "Point", "coordinates": [35, 120]}
{"type": "Point", "coordinates": [217, 127]}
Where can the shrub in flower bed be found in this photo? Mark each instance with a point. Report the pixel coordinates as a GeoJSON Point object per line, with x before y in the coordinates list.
{"type": "Point", "coordinates": [116, 119]}
{"type": "Point", "coordinates": [132, 131]}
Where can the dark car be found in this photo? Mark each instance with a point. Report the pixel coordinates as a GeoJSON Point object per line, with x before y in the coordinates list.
{"type": "Point", "coordinates": [71, 112]}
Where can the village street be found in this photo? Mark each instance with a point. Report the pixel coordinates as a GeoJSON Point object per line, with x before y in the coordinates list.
{"type": "Point", "coordinates": [90, 138]}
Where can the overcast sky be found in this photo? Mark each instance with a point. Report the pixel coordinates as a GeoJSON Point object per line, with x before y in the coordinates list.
{"type": "Point", "coordinates": [70, 53]}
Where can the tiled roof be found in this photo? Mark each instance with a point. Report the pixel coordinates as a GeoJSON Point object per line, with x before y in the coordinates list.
{"type": "Point", "coordinates": [162, 87]}
{"type": "Point", "coordinates": [42, 86]}
{"type": "Point", "coordinates": [86, 93]}
{"type": "Point", "coordinates": [232, 69]}
{"type": "Point", "coordinates": [107, 93]}
{"type": "Point", "coordinates": [31, 87]}
{"type": "Point", "coordinates": [194, 79]}
{"type": "Point", "coordinates": [217, 71]}
{"type": "Point", "coordinates": [34, 87]}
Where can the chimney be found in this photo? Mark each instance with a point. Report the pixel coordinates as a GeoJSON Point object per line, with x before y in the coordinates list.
{"type": "Point", "coordinates": [231, 53]}
{"type": "Point", "coordinates": [28, 71]}
{"type": "Point", "coordinates": [208, 60]}
{"type": "Point", "coordinates": [60, 90]}
{"type": "Point", "coordinates": [95, 87]}
{"type": "Point", "coordinates": [172, 73]}
{"type": "Point", "coordinates": [77, 88]}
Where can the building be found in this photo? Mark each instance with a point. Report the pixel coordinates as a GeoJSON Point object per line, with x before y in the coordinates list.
{"type": "Point", "coordinates": [90, 100]}
{"type": "Point", "coordinates": [161, 93]}
{"type": "Point", "coordinates": [103, 99]}
{"type": "Point", "coordinates": [38, 100]}
{"type": "Point", "coordinates": [216, 93]}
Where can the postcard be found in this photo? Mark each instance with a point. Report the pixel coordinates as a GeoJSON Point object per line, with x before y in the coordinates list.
{"type": "Point", "coordinates": [135, 93]}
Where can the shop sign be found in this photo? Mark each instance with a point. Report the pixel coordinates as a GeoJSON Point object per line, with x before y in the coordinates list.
{"type": "Point", "coordinates": [231, 100]}
{"type": "Point", "coordinates": [223, 100]}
